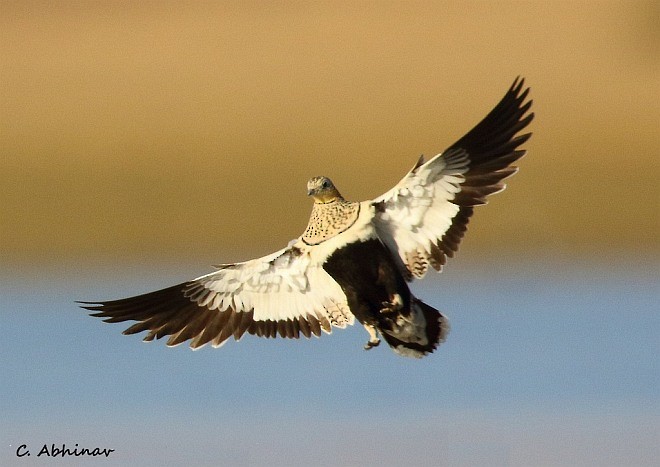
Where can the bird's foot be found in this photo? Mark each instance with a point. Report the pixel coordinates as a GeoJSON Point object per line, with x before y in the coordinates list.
{"type": "Point", "coordinates": [394, 305]}
{"type": "Point", "coordinates": [373, 337]}
{"type": "Point", "coordinates": [371, 344]}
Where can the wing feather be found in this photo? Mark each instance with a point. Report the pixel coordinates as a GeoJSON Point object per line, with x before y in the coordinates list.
{"type": "Point", "coordinates": [286, 294]}
{"type": "Point", "coordinates": [424, 217]}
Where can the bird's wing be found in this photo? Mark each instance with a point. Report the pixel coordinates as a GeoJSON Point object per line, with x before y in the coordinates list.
{"type": "Point", "coordinates": [285, 293]}
{"type": "Point", "coordinates": [423, 218]}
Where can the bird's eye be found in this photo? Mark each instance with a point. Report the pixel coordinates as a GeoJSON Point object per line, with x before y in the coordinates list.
{"type": "Point", "coordinates": [325, 184]}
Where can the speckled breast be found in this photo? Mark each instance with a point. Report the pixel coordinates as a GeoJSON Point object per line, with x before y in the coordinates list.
{"type": "Point", "coordinates": [330, 219]}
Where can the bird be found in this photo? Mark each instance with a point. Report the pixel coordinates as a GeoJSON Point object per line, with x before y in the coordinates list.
{"type": "Point", "coordinates": [354, 260]}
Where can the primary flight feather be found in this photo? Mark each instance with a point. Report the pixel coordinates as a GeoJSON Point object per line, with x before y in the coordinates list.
{"type": "Point", "coordinates": [353, 260]}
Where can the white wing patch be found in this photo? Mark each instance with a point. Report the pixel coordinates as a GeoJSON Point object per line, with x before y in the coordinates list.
{"type": "Point", "coordinates": [418, 210]}
{"type": "Point", "coordinates": [286, 285]}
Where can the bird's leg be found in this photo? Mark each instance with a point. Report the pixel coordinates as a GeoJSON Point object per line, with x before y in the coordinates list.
{"type": "Point", "coordinates": [373, 337]}
{"type": "Point", "coordinates": [395, 304]}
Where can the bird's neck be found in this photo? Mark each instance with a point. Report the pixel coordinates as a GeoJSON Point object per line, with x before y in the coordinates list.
{"type": "Point", "coordinates": [329, 219]}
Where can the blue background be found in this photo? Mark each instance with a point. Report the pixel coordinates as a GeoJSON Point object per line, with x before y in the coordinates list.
{"type": "Point", "coordinates": [548, 363]}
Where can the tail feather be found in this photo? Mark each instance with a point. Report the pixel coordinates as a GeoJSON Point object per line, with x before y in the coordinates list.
{"type": "Point", "coordinates": [418, 333]}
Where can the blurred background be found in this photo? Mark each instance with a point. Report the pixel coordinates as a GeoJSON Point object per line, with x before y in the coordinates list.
{"type": "Point", "coordinates": [141, 142]}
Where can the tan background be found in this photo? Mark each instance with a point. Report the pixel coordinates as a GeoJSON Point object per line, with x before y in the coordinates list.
{"type": "Point", "coordinates": [173, 130]}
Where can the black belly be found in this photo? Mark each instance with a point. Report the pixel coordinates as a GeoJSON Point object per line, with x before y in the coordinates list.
{"type": "Point", "coordinates": [369, 277]}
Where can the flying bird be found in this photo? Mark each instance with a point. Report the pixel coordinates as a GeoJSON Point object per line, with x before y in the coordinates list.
{"type": "Point", "coordinates": [353, 261]}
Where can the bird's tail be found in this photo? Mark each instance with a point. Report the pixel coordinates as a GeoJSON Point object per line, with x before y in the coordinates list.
{"type": "Point", "coordinates": [417, 333]}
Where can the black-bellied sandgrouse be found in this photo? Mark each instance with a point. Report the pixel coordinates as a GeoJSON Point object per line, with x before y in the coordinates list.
{"type": "Point", "coordinates": [354, 259]}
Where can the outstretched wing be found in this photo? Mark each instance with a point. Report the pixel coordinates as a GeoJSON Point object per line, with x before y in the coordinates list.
{"type": "Point", "coordinates": [286, 293]}
{"type": "Point", "coordinates": [424, 217]}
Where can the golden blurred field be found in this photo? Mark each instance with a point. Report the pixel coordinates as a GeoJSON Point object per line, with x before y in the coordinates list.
{"type": "Point", "coordinates": [172, 129]}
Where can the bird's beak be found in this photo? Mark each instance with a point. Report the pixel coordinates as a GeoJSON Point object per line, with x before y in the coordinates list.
{"type": "Point", "coordinates": [310, 192]}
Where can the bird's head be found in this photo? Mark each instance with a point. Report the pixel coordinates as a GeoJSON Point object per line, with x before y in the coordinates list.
{"type": "Point", "coordinates": [322, 190]}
